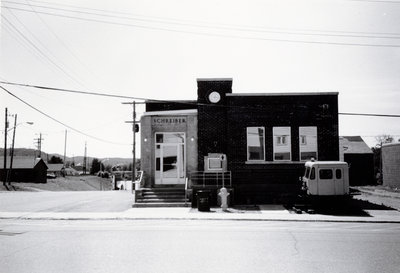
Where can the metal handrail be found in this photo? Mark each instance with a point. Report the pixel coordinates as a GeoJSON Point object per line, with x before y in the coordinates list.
{"type": "Point", "coordinates": [186, 188]}
{"type": "Point", "coordinates": [212, 179]}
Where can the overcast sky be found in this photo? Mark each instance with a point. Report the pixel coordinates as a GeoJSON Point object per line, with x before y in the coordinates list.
{"type": "Point", "coordinates": [156, 49]}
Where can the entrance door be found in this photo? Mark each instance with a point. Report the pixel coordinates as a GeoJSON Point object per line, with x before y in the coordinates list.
{"type": "Point", "coordinates": [169, 154]}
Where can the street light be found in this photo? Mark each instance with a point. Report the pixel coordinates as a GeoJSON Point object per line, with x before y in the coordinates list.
{"type": "Point", "coordinates": [8, 173]}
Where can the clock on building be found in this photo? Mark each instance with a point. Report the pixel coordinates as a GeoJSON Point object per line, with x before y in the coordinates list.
{"type": "Point", "coordinates": [214, 97]}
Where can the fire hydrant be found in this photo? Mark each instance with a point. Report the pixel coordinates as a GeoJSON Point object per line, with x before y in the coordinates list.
{"type": "Point", "coordinates": [223, 194]}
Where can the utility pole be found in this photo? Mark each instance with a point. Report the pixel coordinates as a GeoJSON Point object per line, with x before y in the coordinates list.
{"type": "Point", "coordinates": [39, 144]}
{"type": "Point", "coordinates": [135, 129]}
{"type": "Point", "coordinates": [84, 160]}
{"type": "Point", "coordinates": [5, 149]}
{"type": "Point", "coordinates": [12, 151]}
{"type": "Point", "coordinates": [65, 146]}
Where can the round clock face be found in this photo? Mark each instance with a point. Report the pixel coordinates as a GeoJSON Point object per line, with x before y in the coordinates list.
{"type": "Point", "coordinates": [214, 97]}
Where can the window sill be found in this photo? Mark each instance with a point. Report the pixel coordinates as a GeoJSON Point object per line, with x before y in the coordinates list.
{"type": "Point", "coordinates": [273, 162]}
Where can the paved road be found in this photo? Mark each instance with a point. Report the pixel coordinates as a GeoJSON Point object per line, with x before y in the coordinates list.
{"type": "Point", "coordinates": [197, 246]}
{"type": "Point", "coordinates": [85, 201]}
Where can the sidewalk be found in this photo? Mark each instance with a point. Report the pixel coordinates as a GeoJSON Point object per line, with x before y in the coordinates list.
{"type": "Point", "coordinates": [379, 191]}
{"type": "Point", "coordinates": [264, 213]}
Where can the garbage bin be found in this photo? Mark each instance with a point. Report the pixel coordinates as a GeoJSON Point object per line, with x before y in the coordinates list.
{"type": "Point", "coordinates": [203, 200]}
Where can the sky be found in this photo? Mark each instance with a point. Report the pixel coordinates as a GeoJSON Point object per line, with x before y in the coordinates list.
{"type": "Point", "coordinates": [156, 49]}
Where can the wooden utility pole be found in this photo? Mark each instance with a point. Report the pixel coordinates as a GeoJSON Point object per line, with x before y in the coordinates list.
{"type": "Point", "coordinates": [135, 129]}
{"type": "Point", "coordinates": [85, 159]}
{"type": "Point", "coordinates": [5, 149]}
{"type": "Point", "coordinates": [39, 144]}
{"type": "Point", "coordinates": [65, 146]}
{"type": "Point", "coordinates": [12, 151]}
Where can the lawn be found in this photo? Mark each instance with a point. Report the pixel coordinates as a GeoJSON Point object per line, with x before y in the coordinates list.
{"type": "Point", "coordinates": [68, 183]}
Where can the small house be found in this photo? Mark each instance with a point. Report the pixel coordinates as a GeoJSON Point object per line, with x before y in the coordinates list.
{"type": "Point", "coordinates": [24, 169]}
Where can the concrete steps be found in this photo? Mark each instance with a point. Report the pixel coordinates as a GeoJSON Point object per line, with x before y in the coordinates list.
{"type": "Point", "coordinates": [161, 197]}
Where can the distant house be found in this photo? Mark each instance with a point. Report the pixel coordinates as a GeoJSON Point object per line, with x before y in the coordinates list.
{"type": "Point", "coordinates": [360, 158]}
{"type": "Point", "coordinates": [391, 164]}
{"type": "Point", "coordinates": [71, 171]}
{"type": "Point", "coordinates": [25, 169]}
{"type": "Point", "coordinates": [55, 169]}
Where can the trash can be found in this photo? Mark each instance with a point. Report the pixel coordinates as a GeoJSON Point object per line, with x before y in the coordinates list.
{"type": "Point", "coordinates": [203, 200]}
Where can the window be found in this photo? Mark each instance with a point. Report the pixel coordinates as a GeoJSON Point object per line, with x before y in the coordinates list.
{"type": "Point", "coordinates": [282, 144]}
{"type": "Point", "coordinates": [308, 143]}
{"type": "Point", "coordinates": [325, 174]}
{"type": "Point", "coordinates": [338, 174]}
{"type": "Point", "coordinates": [307, 172]}
{"type": "Point", "coordinates": [255, 143]}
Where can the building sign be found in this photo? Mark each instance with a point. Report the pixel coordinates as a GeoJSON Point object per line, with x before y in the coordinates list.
{"type": "Point", "coordinates": [168, 120]}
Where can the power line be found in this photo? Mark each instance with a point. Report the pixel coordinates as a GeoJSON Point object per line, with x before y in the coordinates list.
{"type": "Point", "coordinates": [203, 25]}
{"type": "Point", "coordinates": [60, 122]}
{"type": "Point", "coordinates": [194, 23]}
{"type": "Point", "coordinates": [44, 46]}
{"type": "Point", "coordinates": [20, 41]}
{"type": "Point", "coordinates": [209, 34]}
{"type": "Point", "coordinates": [147, 100]}
{"type": "Point", "coordinates": [40, 51]}
{"type": "Point", "coordinates": [56, 36]}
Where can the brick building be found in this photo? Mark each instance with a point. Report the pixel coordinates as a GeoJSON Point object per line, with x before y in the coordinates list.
{"type": "Point", "coordinates": [265, 137]}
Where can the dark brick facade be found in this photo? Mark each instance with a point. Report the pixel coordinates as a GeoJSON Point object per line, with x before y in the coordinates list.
{"type": "Point", "coordinates": [222, 129]}
{"type": "Point", "coordinates": [170, 105]}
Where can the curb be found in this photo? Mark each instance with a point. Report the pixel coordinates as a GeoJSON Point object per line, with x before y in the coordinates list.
{"type": "Point", "coordinates": [248, 219]}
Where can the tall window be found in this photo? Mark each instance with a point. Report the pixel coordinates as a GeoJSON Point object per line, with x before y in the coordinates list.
{"type": "Point", "coordinates": [282, 144]}
{"type": "Point", "coordinates": [255, 143]}
{"type": "Point", "coordinates": [308, 142]}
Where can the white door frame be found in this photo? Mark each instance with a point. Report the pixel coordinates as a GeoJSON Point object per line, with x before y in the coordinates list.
{"type": "Point", "coordinates": [181, 160]}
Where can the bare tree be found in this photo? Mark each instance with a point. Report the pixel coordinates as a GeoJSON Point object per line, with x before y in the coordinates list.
{"type": "Point", "coordinates": [383, 139]}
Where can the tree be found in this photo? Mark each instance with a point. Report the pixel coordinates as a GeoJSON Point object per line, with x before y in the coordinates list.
{"type": "Point", "coordinates": [95, 166]}
{"type": "Point", "coordinates": [382, 139]}
{"type": "Point", "coordinates": [55, 160]}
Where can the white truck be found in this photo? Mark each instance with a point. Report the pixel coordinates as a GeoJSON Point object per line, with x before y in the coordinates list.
{"type": "Point", "coordinates": [326, 178]}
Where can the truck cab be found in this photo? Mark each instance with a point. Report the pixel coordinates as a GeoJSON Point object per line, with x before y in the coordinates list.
{"type": "Point", "coordinates": [326, 178]}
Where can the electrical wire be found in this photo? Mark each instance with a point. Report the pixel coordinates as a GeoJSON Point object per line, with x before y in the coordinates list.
{"type": "Point", "coordinates": [188, 22]}
{"type": "Point", "coordinates": [202, 25]}
{"type": "Point", "coordinates": [22, 42]}
{"type": "Point", "coordinates": [57, 37]}
{"type": "Point", "coordinates": [60, 122]}
{"type": "Point", "coordinates": [77, 80]}
{"type": "Point", "coordinates": [169, 101]}
{"type": "Point", "coordinates": [40, 51]}
{"type": "Point", "coordinates": [209, 34]}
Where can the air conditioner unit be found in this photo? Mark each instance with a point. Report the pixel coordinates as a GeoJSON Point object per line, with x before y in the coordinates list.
{"type": "Point", "coordinates": [215, 163]}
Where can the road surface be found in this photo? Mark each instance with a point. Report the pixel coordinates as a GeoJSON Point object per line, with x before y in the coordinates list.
{"type": "Point", "coordinates": [197, 246]}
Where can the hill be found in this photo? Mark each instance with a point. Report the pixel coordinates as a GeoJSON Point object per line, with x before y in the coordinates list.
{"type": "Point", "coordinates": [112, 161]}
